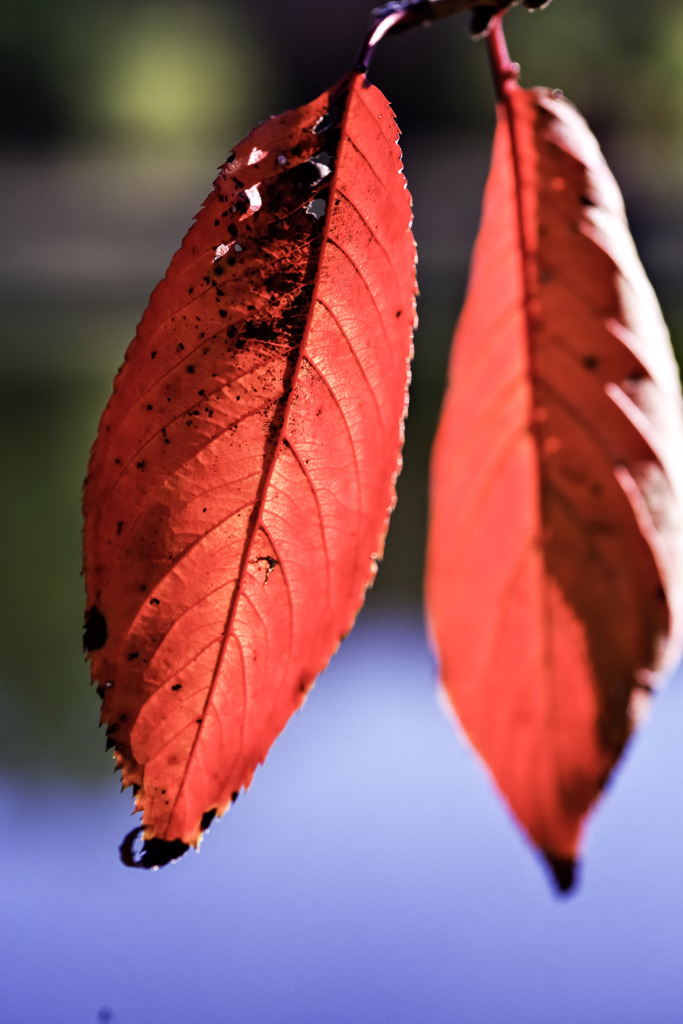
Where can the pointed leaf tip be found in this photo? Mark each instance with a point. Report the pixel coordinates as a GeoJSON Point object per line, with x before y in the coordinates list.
{"type": "Point", "coordinates": [155, 853]}
{"type": "Point", "coordinates": [564, 871]}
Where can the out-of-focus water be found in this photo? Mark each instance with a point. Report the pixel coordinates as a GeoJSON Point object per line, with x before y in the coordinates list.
{"type": "Point", "coordinates": [369, 875]}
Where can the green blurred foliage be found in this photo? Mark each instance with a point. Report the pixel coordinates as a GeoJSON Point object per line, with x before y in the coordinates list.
{"type": "Point", "coordinates": [118, 112]}
{"type": "Point", "coordinates": [124, 74]}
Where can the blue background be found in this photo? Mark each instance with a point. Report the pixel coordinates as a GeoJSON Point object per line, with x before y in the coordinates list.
{"type": "Point", "coordinates": [370, 874]}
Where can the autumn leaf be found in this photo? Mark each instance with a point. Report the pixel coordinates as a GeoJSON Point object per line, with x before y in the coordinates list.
{"type": "Point", "coordinates": [555, 558]}
{"type": "Point", "coordinates": [241, 482]}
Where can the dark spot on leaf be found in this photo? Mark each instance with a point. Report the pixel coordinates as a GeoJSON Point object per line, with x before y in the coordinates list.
{"type": "Point", "coordinates": [232, 230]}
{"type": "Point", "coordinates": [591, 362]}
{"type": "Point", "coordinates": [190, 369]}
{"type": "Point", "coordinates": [242, 203]}
{"type": "Point", "coordinates": [119, 527]}
{"type": "Point", "coordinates": [328, 120]}
{"type": "Point", "coordinates": [141, 464]}
{"type": "Point", "coordinates": [262, 332]}
{"type": "Point", "coordinates": [177, 686]}
{"type": "Point", "coordinates": [154, 600]}
{"type": "Point", "coordinates": [153, 355]}
{"type": "Point", "coordinates": [305, 176]}
{"type": "Point", "coordinates": [95, 632]}
{"type": "Point", "coordinates": [133, 655]}
{"type": "Point", "coordinates": [155, 853]}
{"type": "Point", "coordinates": [207, 818]}
{"type": "Point", "coordinates": [150, 407]}
{"type": "Point", "coordinates": [223, 313]}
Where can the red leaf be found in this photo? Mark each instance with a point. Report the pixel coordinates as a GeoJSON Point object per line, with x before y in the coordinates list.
{"type": "Point", "coordinates": [242, 479]}
{"type": "Point", "coordinates": [555, 564]}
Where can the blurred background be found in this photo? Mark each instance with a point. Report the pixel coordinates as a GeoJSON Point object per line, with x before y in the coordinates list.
{"type": "Point", "coordinates": [116, 114]}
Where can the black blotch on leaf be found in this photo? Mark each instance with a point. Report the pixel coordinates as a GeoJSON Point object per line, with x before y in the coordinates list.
{"type": "Point", "coordinates": [591, 362]}
{"type": "Point", "coordinates": [207, 818]}
{"type": "Point", "coordinates": [329, 120]}
{"type": "Point", "coordinates": [155, 853]}
{"type": "Point", "coordinates": [305, 176]}
{"type": "Point", "coordinates": [95, 631]}
{"type": "Point", "coordinates": [261, 331]}
{"type": "Point", "coordinates": [242, 203]}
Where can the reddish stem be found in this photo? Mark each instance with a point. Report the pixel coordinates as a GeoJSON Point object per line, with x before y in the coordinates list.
{"type": "Point", "coordinates": [505, 71]}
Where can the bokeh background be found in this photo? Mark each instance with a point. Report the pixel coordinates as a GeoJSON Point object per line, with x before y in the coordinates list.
{"type": "Point", "coordinates": [371, 873]}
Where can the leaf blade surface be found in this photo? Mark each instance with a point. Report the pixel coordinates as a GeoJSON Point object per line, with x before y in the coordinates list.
{"type": "Point", "coordinates": [554, 564]}
{"type": "Point", "coordinates": [240, 486]}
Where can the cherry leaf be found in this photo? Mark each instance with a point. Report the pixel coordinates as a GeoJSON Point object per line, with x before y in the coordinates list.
{"type": "Point", "coordinates": [555, 556]}
{"type": "Point", "coordinates": [243, 475]}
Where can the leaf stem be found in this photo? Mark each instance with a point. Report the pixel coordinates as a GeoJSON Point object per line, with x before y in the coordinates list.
{"type": "Point", "coordinates": [505, 71]}
{"type": "Point", "coordinates": [399, 15]}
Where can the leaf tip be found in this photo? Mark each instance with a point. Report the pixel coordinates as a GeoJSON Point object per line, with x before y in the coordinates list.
{"type": "Point", "coordinates": [155, 853]}
{"type": "Point", "coordinates": [564, 871]}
